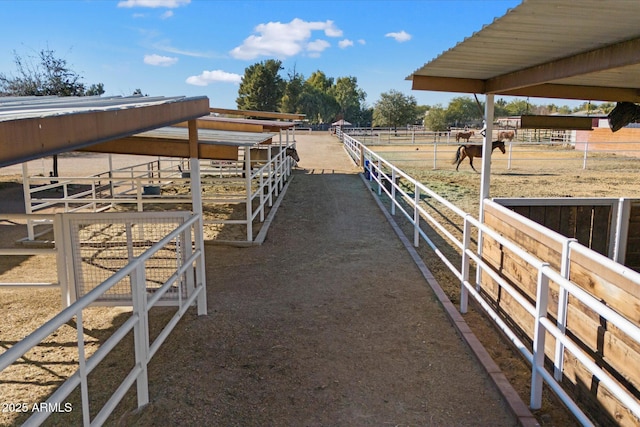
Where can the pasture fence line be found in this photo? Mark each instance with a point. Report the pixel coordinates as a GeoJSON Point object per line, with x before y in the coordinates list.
{"type": "Point", "coordinates": [420, 135]}
{"type": "Point", "coordinates": [417, 204]}
{"type": "Point", "coordinates": [518, 156]}
{"type": "Point", "coordinates": [158, 182]}
{"type": "Point", "coordinates": [188, 281]}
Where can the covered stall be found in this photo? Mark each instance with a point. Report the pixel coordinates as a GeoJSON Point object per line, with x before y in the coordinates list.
{"type": "Point", "coordinates": [588, 50]}
{"type": "Point", "coordinates": [140, 260]}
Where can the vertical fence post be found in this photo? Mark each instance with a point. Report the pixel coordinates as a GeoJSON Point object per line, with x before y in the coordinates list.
{"type": "Point", "coordinates": [537, 365]}
{"type": "Point", "coordinates": [563, 303]}
{"type": "Point", "coordinates": [82, 370]}
{"type": "Point", "coordinates": [379, 170]}
{"type": "Point", "coordinates": [140, 332]}
{"type": "Point", "coordinates": [435, 154]}
{"type": "Point", "coordinates": [26, 189]}
{"type": "Point", "coordinates": [416, 216]}
{"type": "Point", "coordinates": [247, 190]}
{"type": "Point", "coordinates": [586, 150]}
{"type": "Point", "coordinates": [185, 246]}
{"type": "Point", "coordinates": [393, 190]}
{"type": "Point", "coordinates": [138, 182]}
{"type": "Point", "coordinates": [620, 230]}
{"type": "Point", "coordinates": [466, 242]}
{"type": "Point", "coordinates": [59, 238]}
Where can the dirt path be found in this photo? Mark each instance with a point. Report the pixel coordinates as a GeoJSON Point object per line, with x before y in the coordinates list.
{"type": "Point", "coordinates": [329, 322]}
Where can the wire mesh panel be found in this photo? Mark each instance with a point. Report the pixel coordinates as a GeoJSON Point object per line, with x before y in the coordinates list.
{"type": "Point", "coordinates": [102, 244]}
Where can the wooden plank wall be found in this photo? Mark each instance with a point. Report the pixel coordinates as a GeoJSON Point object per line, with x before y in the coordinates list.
{"type": "Point", "coordinates": [612, 350]}
{"type": "Point", "coordinates": [589, 224]}
{"type": "Point", "coordinates": [632, 256]}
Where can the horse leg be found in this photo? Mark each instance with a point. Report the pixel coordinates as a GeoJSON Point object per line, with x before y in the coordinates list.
{"type": "Point", "coordinates": [471, 163]}
{"type": "Point", "coordinates": [463, 154]}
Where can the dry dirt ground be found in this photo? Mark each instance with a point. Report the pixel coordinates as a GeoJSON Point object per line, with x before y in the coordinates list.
{"type": "Point", "coordinates": [327, 323]}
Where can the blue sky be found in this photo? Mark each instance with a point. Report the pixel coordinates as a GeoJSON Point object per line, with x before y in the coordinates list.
{"type": "Point", "coordinates": [202, 47]}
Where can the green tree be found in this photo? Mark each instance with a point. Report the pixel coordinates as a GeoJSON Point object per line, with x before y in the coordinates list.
{"type": "Point", "coordinates": [290, 102]}
{"type": "Point", "coordinates": [261, 88]}
{"type": "Point", "coordinates": [606, 107]}
{"type": "Point", "coordinates": [317, 101]}
{"type": "Point", "coordinates": [519, 107]}
{"type": "Point", "coordinates": [463, 111]}
{"type": "Point", "coordinates": [349, 97]}
{"type": "Point", "coordinates": [320, 81]}
{"type": "Point", "coordinates": [318, 106]}
{"type": "Point", "coordinates": [45, 75]}
{"type": "Point", "coordinates": [395, 109]}
{"type": "Point", "coordinates": [436, 119]}
{"type": "Point", "coordinates": [500, 108]}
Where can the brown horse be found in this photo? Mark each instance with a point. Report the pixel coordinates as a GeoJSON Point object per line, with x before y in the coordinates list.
{"type": "Point", "coordinates": [472, 151]}
{"type": "Point", "coordinates": [506, 134]}
{"type": "Point", "coordinates": [464, 135]}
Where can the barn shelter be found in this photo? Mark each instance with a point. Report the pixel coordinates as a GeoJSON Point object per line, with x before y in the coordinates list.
{"type": "Point", "coordinates": [34, 127]}
{"type": "Point", "coordinates": [587, 50]}
{"type": "Point", "coordinates": [590, 52]}
{"type": "Point", "coordinates": [137, 259]}
{"type": "Point", "coordinates": [225, 150]}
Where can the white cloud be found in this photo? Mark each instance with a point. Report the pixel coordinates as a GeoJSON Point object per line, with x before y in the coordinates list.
{"type": "Point", "coordinates": [343, 44]}
{"type": "Point", "coordinates": [362, 42]}
{"type": "Point", "coordinates": [168, 14]}
{"type": "Point", "coordinates": [171, 4]}
{"type": "Point", "coordinates": [207, 77]}
{"type": "Point", "coordinates": [284, 40]}
{"type": "Point", "coordinates": [162, 61]}
{"type": "Point", "coordinates": [318, 45]}
{"type": "Point", "coordinates": [400, 37]}
{"type": "Point", "coordinates": [165, 47]}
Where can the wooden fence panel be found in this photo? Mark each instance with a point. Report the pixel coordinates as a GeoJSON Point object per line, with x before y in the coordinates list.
{"type": "Point", "coordinates": [612, 350]}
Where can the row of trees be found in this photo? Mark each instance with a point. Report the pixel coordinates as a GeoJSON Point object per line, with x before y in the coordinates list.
{"type": "Point", "coordinates": [465, 111]}
{"type": "Point", "coordinates": [325, 99]}
{"type": "Point", "coordinates": [321, 98]}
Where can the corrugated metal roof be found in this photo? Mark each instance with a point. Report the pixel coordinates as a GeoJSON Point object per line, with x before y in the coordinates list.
{"type": "Point", "coordinates": [591, 43]}
{"type": "Point", "coordinates": [274, 124]}
{"type": "Point", "coordinates": [23, 107]}
{"type": "Point", "coordinates": [33, 127]}
{"type": "Point", "coordinates": [209, 136]}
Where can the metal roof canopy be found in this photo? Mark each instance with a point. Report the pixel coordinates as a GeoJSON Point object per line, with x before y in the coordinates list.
{"type": "Point", "coordinates": [564, 49]}
{"type": "Point", "coordinates": [35, 127]}
{"type": "Point", "coordinates": [263, 114]}
{"type": "Point", "coordinates": [242, 124]}
{"type": "Point", "coordinates": [587, 50]}
{"type": "Point", "coordinates": [174, 142]}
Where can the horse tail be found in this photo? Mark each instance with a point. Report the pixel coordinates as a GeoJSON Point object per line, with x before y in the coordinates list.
{"type": "Point", "coordinates": [457, 158]}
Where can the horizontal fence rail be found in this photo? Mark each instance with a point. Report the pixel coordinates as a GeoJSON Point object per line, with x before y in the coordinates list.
{"type": "Point", "coordinates": [415, 202]}
{"type": "Point", "coordinates": [253, 184]}
{"type": "Point", "coordinates": [134, 276]}
{"type": "Point", "coordinates": [437, 149]}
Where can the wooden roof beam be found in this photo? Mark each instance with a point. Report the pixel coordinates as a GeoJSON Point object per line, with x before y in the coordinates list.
{"type": "Point", "coordinates": [163, 147]}
{"type": "Point", "coordinates": [602, 59]}
{"type": "Point", "coordinates": [556, 122]}
{"type": "Point", "coordinates": [447, 84]}
{"type": "Point", "coordinates": [38, 137]}
{"type": "Point", "coordinates": [595, 93]}
{"type": "Point", "coordinates": [264, 114]}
